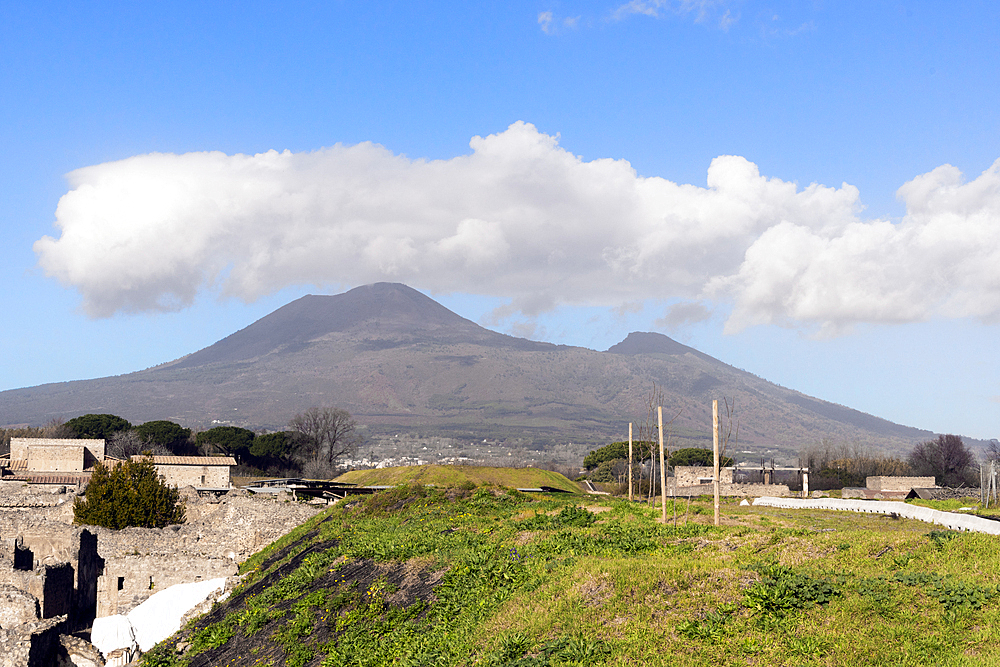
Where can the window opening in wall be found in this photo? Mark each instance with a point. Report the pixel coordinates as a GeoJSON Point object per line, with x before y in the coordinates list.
{"type": "Point", "coordinates": [150, 583]}
{"type": "Point", "coordinates": [121, 583]}
{"type": "Point", "coordinates": [203, 480]}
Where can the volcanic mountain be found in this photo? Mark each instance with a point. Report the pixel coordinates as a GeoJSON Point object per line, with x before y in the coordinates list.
{"type": "Point", "coordinates": [398, 360]}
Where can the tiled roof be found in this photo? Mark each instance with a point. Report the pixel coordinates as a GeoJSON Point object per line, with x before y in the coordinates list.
{"type": "Point", "coordinates": [41, 478]}
{"type": "Point", "coordinates": [16, 464]}
{"type": "Point", "coordinates": [190, 460]}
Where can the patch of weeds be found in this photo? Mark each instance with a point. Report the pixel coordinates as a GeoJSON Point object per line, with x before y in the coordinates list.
{"type": "Point", "coordinates": [951, 594]}
{"type": "Point", "coordinates": [844, 546]}
{"type": "Point", "coordinates": [808, 645]}
{"type": "Point", "coordinates": [902, 560]}
{"type": "Point", "coordinates": [214, 635]}
{"type": "Point", "coordinates": [162, 655]}
{"type": "Point", "coordinates": [570, 516]}
{"type": "Point", "coordinates": [942, 537]}
{"type": "Point", "coordinates": [496, 498]}
{"type": "Point", "coordinates": [782, 591]}
{"type": "Point", "coordinates": [710, 628]}
{"type": "Point", "coordinates": [877, 590]}
{"type": "Point", "coordinates": [394, 499]}
{"type": "Point", "coordinates": [571, 650]}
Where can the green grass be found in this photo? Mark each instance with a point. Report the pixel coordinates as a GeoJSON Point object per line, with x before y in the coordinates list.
{"type": "Point", "coordinates": [527, 581]}
{"type": "Point", "coordinates": [451, 475]}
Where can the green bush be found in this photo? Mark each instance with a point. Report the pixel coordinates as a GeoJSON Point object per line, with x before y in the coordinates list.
{"type": "Point", "coordinates": [129, 495]}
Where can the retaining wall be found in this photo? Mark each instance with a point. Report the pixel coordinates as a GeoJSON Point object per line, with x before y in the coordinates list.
{"type": "Point", "coordinates": [964, 522]}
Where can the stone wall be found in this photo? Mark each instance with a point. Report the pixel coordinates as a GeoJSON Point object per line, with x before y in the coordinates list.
{"type": "Point", "coordinates": [51, 585]}
{"type": "Point", "coordinates": [734, 490]}
{"type": "Point", "coordinates": [128, 581]}
{"type": "Point", "coordinates": [898, 483]}
{"type": "Point", "coordinates": [692, 475]}
{"type": "Point", "coordinates": [34, 644]}
{"type": "Point", "coordinates": [55, 454]}
{"type": "Point", "coordinates": [219, 534]}
{"type": "Point", "coordinates": [17, 607]}
{"type": "Point", "coordinates": [216, 477]}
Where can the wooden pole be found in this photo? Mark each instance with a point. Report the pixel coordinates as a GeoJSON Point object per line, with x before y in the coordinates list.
{"type": "Point", "coordinates": [715, 457]}
{"type": "Point", "coordinates": [663, 467]}
{"type": "Point", "coordinates": [630, 461]}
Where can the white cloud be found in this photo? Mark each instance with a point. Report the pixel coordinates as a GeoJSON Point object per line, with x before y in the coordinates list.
{"type": "Point", "coordinates": [703, 11]}
{"type": "Point", "coordinates": [545, 22]}
{"type": "Point", "coordinates": [522, 218]}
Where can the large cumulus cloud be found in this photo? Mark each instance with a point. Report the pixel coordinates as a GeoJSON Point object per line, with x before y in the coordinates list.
{"type": "Point", "coordinates": [523, 218]}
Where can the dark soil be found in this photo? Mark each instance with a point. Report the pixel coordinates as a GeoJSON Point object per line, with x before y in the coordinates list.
{"type": "Point", "coordinates": [411, 583]}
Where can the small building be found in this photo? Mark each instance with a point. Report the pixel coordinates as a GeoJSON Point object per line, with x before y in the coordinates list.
{"type": "Point", "coordinates": [65, 455]}
{"type": "Point", "coordinates": [206, 472]}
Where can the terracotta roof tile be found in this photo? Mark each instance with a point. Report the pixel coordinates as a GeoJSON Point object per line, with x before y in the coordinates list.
{"type": "Point", "coordinates": [190, 460]}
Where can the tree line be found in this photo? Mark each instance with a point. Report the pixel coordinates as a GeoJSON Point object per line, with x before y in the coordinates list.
{"type": "Point", "coordinates": [313, 444]}
{"type": "Point", "coordinates": [946, 458]}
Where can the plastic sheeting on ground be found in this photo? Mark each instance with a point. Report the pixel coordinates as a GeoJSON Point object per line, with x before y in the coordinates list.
{"type": "Point", "coordinates": [154, 620]}
{"type": "Point", "coordinates": [160, 616]}
{"type": "Point", "coordinates": [950, 520]}
{"type": "Point", "coordinates": [112, 632]}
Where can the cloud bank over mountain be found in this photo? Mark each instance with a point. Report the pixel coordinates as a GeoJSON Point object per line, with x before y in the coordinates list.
{"type": "Point", "coordinates": [523, 218]}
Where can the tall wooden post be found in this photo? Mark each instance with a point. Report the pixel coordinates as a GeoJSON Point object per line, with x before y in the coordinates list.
{"type": "Point", "coordinates": [715, 457]}
{"type": "Point", "coordinates": [663, 466]}
{"type": "Point", "coordinates": [630, 461]}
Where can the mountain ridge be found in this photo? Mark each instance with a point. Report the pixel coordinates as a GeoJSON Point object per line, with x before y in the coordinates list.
{"type": "Point", "coordinates": [397, 359]}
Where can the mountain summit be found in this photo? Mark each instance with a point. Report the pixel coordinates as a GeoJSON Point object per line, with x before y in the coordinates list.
{"type": "Point", "coordinates": [390, 313]}
{"type": "Point", "coordinates": [399, 361]}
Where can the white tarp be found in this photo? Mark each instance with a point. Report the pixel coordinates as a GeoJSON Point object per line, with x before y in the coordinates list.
{"type": "Point", "coordinates": [112, 632]}
{"type": "Point", "coordinates": [160, 616]}
{"type": "Point", "coordinates": [154, 620]}
{"type": "Point", "coordinates": [951, 520]}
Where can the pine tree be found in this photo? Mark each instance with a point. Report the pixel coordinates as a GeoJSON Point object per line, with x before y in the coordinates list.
{"type": "Point", "coordinates": [129, 495]}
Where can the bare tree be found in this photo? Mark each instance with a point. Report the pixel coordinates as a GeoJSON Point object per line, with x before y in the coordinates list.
{"type": "Point", "coordinates": [325, 434]}
{"type": "Point", "coordinates": [648, 436]}
{"type": "Point", "coordinates": [947, 458]}
{"type": "Point", "coordinates": [124, 444]}
{"type": "Point", "coordinates": [728, 430]}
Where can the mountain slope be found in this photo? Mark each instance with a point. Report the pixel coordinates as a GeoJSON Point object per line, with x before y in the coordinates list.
{"type": "Point", "coordinates": [398, 360]}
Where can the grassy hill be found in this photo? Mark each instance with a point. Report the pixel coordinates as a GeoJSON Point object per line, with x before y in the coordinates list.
{"type": "Point", "coordinates": [454, 476]}
{"type": "Point", "coordinates": [491, 577]}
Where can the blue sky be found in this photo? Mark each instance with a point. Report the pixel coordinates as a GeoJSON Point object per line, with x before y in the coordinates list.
{"type": "Point", "coordinates": [803, 190]}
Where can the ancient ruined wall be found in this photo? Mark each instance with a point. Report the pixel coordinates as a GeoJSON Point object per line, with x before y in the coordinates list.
{"type": "Point", "coordinates": [216, 477]}
{"type": "Point", "coordinates": [219, 534]}
{"type": "Point", "coordinates": [34, 644]}
{"type": "Point", "coordinates": [130, 580]}
{"type": "Point", "coordinates": [51, 585]}
{"type": "Point", "coordinates": [16, 607]}
{"type": "Point", "coordinates": [690, 475]}
{"type": "Point", "coordinates": [898, 483]}
{"type": "Point", "coordinates": [734, 490]}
